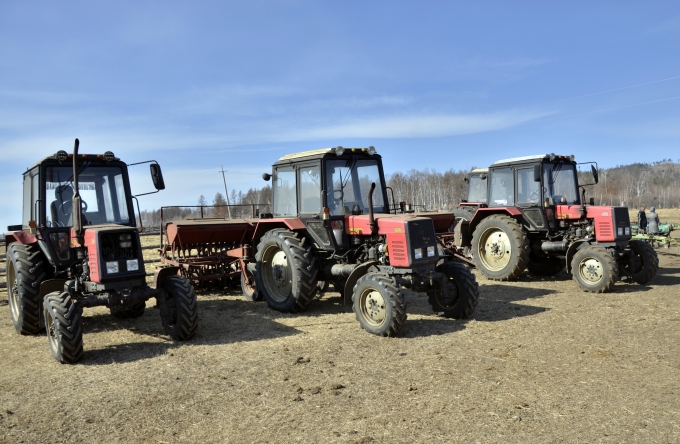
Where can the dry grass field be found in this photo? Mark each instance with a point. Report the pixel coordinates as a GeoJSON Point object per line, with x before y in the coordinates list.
{"type": "Point", "coordinates": [539, 361]}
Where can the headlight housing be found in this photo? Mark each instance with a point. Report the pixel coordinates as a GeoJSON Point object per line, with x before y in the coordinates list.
{"type": "Point", "coordinates": [132, 264]}
{"type": "Point", "coordinates": [627, 231]}
{"type": "Point", "coordinates": [125, 240]}
{"type": "Point", "coordinates": [619, 231]}
{"type": "Point", "coordinates": [418, 252]}
{"type": "Point", "coordinates": [430, 251]}
{"type": "Point", "coordinates": [112, 267]}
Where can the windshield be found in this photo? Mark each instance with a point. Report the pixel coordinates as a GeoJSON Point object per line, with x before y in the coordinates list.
{"type": "Point", "coordinates": [348, 183]}
{"type": "Point", "coordinates": [559, 180]}
{"type": "Point", "coordinates": [102, 191]}
{"type": "Point", "coordinates": [477, 189]}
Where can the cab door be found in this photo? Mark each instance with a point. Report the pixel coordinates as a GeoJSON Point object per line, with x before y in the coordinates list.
{"type": "Point", "coordinates": [310, 203]}
{"type": "Point", "coordinates": [529, 198]}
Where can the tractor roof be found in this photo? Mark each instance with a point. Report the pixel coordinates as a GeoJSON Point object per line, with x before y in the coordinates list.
{"type": "Point", "coordinates": [536, 157]}
{"type": "Point", "coordinates": [321, 152]}
{"type": "Point", "coordinates": [479, 170]}
{"type": "Point", "coordinates": [69, 159]}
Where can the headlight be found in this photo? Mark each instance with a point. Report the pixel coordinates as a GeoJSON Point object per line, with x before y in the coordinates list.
{"type": "Point", "coordinates": [339, 150]}
{"type": "Point", "coordinates": [627, 231]}
{"type": "Point", "coordinates": [620, 231]}
{"type": "Point", "coordinates": [132, 265]}
{"type": "Point", "coordinates": [430, 251]}
{"type": "Point", "coordinates": [112, 267]}
{"type": "Point", "coordinates": [419, 253]}
{"type": "Point", "coordinates": [371, 150]}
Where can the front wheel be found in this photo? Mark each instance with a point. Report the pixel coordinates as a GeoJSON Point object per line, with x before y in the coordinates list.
{"type": "Point", "coordinates": [64, 325]}
{"type": "Point", "coordinates": [458, 295]}
{"type": "Point", "coordinates": [379, 304]}
{"type": "Point", "coordinates": [594, 269]}
{"type": "Point", "coordinates": [643, 262]}
{"type": "Point", "coordinates": [179, 308]}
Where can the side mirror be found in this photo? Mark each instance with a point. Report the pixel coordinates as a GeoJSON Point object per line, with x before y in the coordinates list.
{"type": "Point", "coordinates": [483, 176]}
{"type": "Point", "coordinates": [595, 173]}
{"type": "Point", "coordinates": [157, 176]}
{"type": "Point", "coordinates": [537, 173]}
{"type": "Point", "coordinates": [266, 176]}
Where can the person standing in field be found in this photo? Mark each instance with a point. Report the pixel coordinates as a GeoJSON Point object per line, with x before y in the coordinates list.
{"type": "Point", "coordinates": [652, 222]}
{"type": "Point", "coordinates": [642, 220]}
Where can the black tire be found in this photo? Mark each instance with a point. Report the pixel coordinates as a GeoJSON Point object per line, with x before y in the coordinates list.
{"type": "Point", "coordinates": [642, 264]}
{"type": "Point", "coordinates": [286, 270]}
{"type": "Point", "coordinates": [179, 308]}
{"type": "Point", "coordinates": [64, 324]}
{"type": "Point", "coordinates": [249, 290]}
{"type": "Point", "coordinates": [461, 214]}
{"type": "Point", "coordinates": [594, 269]}
{"type": "Point", "coordinates": [379, 304]}
{"type": "Point", "coordinates": [134, 311]}
{"type": "Point", "coordinates": [500, 248]}
{"type": "Point", "coordinates": [545, 266]}
{"type": "Point", "coordinates": [26, 269]}
{"type": "Point", "coordinates": [459, 295]}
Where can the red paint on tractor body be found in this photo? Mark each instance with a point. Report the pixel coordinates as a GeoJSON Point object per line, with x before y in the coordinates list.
{"type": "Point", "coordinates": [602, 217]}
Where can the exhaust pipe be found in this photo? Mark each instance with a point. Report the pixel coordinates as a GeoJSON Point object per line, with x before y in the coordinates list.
{"type": "Point", "coordinates": [371, 216]}
{"type": "Point", "coordinates": [77, 209]}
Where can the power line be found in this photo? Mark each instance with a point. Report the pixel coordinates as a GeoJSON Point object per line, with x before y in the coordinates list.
{"type": "Point", "coordinates": [225, 189]}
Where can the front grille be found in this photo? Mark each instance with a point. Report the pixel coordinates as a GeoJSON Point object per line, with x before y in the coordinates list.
{"type": "Point", "coordinates": [621, 220]}
{"type": "Point", "coordinates": [110, 250]}
{"type": "Point", "coordinates": [421, 235]}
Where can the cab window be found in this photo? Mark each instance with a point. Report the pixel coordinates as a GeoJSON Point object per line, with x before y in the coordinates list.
{"type": "Point", "coordinates": [502, 187]}
{"type": "Point", "coordinates": [284, 192]}
{"type": "Point", "coordinates": [528, 190]}
{"type": "Point", "coordinates": [310, 190]}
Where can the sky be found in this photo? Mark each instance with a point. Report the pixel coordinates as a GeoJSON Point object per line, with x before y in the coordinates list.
{"type": "Point", "coordinates": [439, 85]}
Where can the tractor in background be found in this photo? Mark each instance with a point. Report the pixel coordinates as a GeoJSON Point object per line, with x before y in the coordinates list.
{"type": "Point", "coordinates": [535, 216]}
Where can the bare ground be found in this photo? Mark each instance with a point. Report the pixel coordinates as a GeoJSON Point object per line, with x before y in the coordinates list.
{"type": "Point", "coordinates": [539, 361]}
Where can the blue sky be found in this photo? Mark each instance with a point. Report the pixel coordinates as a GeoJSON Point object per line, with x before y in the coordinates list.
{"type": "Point", "coordinates": [438, 85]}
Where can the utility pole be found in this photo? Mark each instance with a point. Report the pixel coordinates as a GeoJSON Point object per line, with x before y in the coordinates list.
{"type": "Point", "coordinates": [225, 190]}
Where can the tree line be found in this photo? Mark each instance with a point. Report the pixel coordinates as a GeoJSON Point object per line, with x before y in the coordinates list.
{"type": "Point", "coordinates": [650, 184]}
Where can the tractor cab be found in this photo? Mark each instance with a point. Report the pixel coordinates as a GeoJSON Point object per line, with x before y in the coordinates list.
{"type": "Point", "coordinates": [321, 187]}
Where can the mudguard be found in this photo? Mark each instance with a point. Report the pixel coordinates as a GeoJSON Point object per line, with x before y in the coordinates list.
{"type": "Point", "coordinates": [162, 273]}
{"type": "Point", "coordinates": [354, 276]}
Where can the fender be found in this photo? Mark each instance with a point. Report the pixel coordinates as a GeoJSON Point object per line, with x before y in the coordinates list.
{"type": "Point", "coordinates": [573, 248]}
{"type": "Point", "coordinates": [22, 237]}
{"type": "Point", "coordinates": [482, 213]}
{"type": "Point", "coordinates": [161, 273]}
{"type": "Point", "coordinates": [264, 225]}
{"type": "Point", "coordinates": [354, 276]}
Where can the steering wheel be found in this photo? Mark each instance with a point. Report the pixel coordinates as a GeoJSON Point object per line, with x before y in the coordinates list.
{"type": "Point", "coordinates": [533, 196]}
{"type": "Point", "coordinates": [83, 205]}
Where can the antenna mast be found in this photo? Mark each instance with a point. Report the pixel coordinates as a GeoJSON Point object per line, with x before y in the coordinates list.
{"type": "Point", "coordinates": [225, 190]}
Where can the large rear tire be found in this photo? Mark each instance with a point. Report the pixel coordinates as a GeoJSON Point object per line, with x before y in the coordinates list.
{"type": "Point", "coordinates": [64, 324]}
{"type": "Point", "coordinates": [500, 248]}
{"type": "Point", "coordinates": [458, 297]}
{"type": "Point", "coordinates": [26, 269]}
{"type": "Point", "coordinates": [643, 264]}
{"type": "Point", "coordinates": [594, 269]}
{"type": "Point", "coordinates": [379, 304]}
{"type": "Point", "coordinates": [286, 270]}
{"type": "Point", "coordinates": [179, 308]}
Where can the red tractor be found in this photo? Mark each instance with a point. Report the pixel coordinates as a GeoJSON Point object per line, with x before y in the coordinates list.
{"type": "Point", "coordinates": [533, 216]}
{"type": "Point", "coordinates": [78, 246]}
{"type": "Point", "coordinates": [331, 222]}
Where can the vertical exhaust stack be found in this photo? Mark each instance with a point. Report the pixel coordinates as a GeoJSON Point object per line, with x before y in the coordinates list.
{"type": "Point", "coordinates": [77, 208]}
{"type": "Point", "coordinates": [371, 216]}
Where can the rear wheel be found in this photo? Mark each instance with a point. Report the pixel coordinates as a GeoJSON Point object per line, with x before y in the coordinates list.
{"type": "Point", "coordinates": [379, 304]}
{"type": "Point", "coordinates": [500, 248]}
{"type": "Point", "coordinates": [457, 298]}
{"type": "Point", "coordinates": [178, 307]}
{"type": "Point", "coordinates": [133, 311]}
{"type": "Point", "coordinates": [64, 324]}
{"type": "Point", "coordinates": [25, 272]}
{"type": "Point", "coordinates": [642, 264]}
{"type": "Point", "coordinates": [286, 270]}
{"type": "Point", "coordinates": [594, 269]}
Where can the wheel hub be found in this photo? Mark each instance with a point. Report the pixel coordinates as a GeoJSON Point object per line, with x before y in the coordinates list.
{"type": "Point", "coordinates": [591, 270]}
{"type": "Point", "coordinates": [279, 267]}
{"type": "Point", "coordinates": [374, 307]}
{"type": "Point", "coordinates": [495, 250]}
